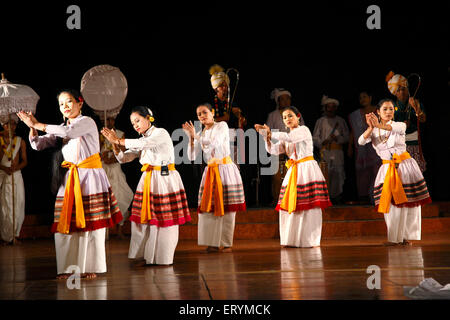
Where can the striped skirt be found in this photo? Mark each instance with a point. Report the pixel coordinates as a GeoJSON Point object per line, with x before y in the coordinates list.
{"type": "Point", "coordinates": [168, 201]}
{"type": "Point", "coordinates": [101, 209]}
{"type": "Point", "coordinates": [312, 191]}
{"type": "Point", "coordinates": [233, 189]}
{"type": "Point", "coordinates": [412, 180]}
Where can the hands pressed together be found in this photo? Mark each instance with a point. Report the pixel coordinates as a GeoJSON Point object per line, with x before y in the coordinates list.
{"type": "Point", "coordinates": [372, 120]}
{"type": "Point", "coordinates": [110, 135]}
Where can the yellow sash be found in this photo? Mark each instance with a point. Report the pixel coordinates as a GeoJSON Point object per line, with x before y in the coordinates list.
{"type": "Point", "coordinates": [289, 201]}
{"type": "Point", "coordinates": [213, 183]}
{"type": "Point", "coordinates": [392, 186]}
{"type": "Point", "coordinates": [73, 192]}
{"type": "Point", "coordinates": [146, 208]}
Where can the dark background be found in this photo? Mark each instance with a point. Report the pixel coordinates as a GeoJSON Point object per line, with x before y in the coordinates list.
{"type": "Point", "coordinates": [165, 52]}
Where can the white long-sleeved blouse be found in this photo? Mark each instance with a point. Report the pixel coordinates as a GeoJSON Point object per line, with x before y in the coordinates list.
{"type": "Point", "coordinates": [80, 135]}
{"type": "Point", "coordinates": [215, 142]}
{"type": "Point", "coordinates": [155, 147]}
{"type": "Point", "coordinates": [297, 144]}
{"type": "Point", "coordinates": [395, 142]}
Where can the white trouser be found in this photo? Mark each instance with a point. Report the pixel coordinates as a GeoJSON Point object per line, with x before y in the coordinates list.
{"type": "Point", "coordinates": [85, 250]}
{"type": "Point", "coordinates": [301, 229]}
{"type": "Point", "coordinates": [403, 223]}
{"type": "Point", "coordinates": [216, 231]}
{"type": "Point", "coordinates": [155, 244]}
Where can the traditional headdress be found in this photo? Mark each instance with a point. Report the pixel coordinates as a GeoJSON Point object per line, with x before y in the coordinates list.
{"type": "Point", "coordinates": [277, 92]}
{"type": "Point", "coordinates": [394, 81]}
{"type": "Point", "coordinates": [218, 76]}
{"type": "Point", "coordinates": [326, 100]}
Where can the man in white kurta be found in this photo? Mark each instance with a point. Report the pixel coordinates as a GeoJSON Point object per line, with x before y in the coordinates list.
{"type": "Point", "coordinates": [116, 177]}
{"type": "Point", "coordinates": [330, 133]}
{"type": "Point", "coordinates": [6, 199]}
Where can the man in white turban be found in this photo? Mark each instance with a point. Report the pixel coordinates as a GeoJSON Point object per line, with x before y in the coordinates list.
{"type": "Point", "coordinates": [13, 158]}
{"type": "Point", "coordinates": [330, 133]}
{"type": "Point", "coordinates": [220, 82]}
{"type": "Point", "coordinates": [410, 111]}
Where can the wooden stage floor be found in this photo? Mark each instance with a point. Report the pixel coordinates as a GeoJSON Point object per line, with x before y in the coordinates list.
{"type": "Point", "coordinates": [255, 270]}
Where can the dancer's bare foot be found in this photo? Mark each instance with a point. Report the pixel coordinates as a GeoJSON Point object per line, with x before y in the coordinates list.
{"type": "Point", "coordinates": [227, 249]}
{"type": "Point", "coordinates": [390, 244]}
{"type": "Point", "coordinates": [212, 249]}
{"type": "Point", "coordinates": [63, 276]}
{"type": "Point", "coordinates": [88, 275]}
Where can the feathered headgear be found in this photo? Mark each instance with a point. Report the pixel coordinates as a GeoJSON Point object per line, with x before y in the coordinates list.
{"type": "Point", "coordinates": [218, 76]}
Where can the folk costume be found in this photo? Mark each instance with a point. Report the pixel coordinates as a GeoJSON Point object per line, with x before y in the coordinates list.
{"type": "Point", "coordinates": [116, 177]}
{"type": "Point", "coordinates": [10, 151]}
{"type": "Point", "coordinates": [303, 192]}
{"type": "Point", "coordinates": [400, 189]}
{"type": "Point", "coordinates": [333, 153]}
{"type": "Point", "coordinates": [221, 192]}
{"type": "Point", "coordinates": [160, 204]}
{"type": "Point", "coordinates": [85, 203]}
{"type": "Point", "coordinates": [405, 113]}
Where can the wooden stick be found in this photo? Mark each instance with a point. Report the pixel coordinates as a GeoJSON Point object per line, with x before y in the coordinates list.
{"type": "Point", "coordinates": [12, 181]}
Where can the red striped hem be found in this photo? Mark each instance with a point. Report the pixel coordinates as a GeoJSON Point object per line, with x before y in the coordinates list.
{"type": "Point", "coordinates": [410, 204]}
{"type": "Point", "coordinates": [323, 204]}
{"type": "Point", "coordinates": [92, 225]}
{"type": "Point", "coordinates": [229, 208]}
{"type": "Point", "coordinates": [162, 223]}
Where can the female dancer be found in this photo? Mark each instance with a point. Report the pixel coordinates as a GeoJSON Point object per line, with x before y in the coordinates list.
{"type": "Point", "coordinates": [400, 189]}
{"type": "Point", "coordinates": [221, 192]}
{"type": "Point", "coordinates": [304, 191]}
{"type": "Point", "coordinates": [13, 157]}
{"type": "Point", "coordinates": [85, 204]}
{"type": "Point", "coordinates": [160, 204]}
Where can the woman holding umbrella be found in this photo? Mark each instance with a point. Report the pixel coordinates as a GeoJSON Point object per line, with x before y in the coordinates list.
{"type": "Point", "coordinates": [85, 191]}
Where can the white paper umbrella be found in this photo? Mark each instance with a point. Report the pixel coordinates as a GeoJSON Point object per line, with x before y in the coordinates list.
{"type": "Point", "coordinates": [104, 88]}
{"type": "Point", "coordinates": [15, 98]}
